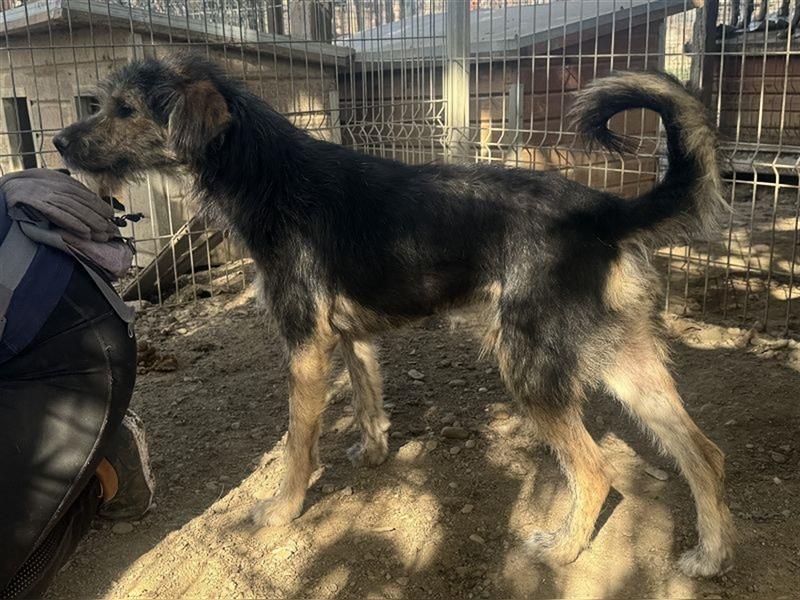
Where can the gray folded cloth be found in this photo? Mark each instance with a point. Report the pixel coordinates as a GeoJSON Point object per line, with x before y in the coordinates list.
{"type": "Point", "coordinates": [58, 204]}
{"type": "Point", "coordinates": [63, 201]}
{"type": "Point", "coordinates": [115, 256]}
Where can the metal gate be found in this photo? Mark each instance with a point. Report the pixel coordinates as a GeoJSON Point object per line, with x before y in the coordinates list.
{"type": "Point", "coordinates": [418, 80]}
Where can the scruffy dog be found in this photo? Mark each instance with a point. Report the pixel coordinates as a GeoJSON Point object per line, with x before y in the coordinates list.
{"type": "Point", "coordinates": [349, 245]}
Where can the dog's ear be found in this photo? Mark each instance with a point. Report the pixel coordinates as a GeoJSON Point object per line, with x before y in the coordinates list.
{"type": "Point", "coordinates": [199, 115]}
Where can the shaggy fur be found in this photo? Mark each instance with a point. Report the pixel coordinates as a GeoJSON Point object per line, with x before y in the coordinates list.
{"type": "Point", "coordinates": [349, 245]}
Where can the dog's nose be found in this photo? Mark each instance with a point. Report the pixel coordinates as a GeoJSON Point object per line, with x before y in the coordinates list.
{"type": "Point", "coordinates": [61, 143]}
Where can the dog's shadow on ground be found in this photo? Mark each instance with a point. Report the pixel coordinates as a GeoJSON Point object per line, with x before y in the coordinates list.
{"type": "Point", "coordinates": [431, 522]}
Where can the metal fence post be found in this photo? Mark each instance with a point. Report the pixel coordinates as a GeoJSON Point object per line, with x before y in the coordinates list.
{"type": "Point", "coordinates": [710, 51]}
{"type": "Point", "coordinates": [335, 118]}
{"type": "Point", "coordinates": [704, 48]}
{"type": "Point", "coordinates": [456, 79]}
{"type": "Point", "coordinates": [514, 106]}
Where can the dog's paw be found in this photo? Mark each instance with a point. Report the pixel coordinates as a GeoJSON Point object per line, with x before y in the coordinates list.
{"type": "Point", "coordinates": [275, 511]}
{"type": "Point", "coordinates": [553, 549]}
{"type": "Point", "coordinates": [700, 562]}
{"type": "Point", "coordinates": [367, 456]}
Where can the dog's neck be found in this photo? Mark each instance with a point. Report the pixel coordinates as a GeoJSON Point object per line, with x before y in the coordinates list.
{"type": "Point", "coordinates": [248, 172]}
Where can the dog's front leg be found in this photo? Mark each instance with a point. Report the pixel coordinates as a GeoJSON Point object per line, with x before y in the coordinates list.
{"type": "Point", "coordinates": [309, 373]}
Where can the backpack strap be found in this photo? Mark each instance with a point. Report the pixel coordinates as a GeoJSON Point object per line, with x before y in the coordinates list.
{"type": "Point", "coordinates": [16, 254]}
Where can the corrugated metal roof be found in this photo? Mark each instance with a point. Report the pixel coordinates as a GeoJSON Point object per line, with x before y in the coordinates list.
{"type": "Point", "coordinates": [501, 30]}
{"type": "Point", "coordinates": [45, 15]}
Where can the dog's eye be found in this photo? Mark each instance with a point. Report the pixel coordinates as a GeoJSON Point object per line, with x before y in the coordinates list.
{"type": "Point", "coordinates": [124, 111]}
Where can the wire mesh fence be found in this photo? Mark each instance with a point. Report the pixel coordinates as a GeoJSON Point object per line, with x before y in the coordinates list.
{"type": "Point", "coordinates": [486, 81]}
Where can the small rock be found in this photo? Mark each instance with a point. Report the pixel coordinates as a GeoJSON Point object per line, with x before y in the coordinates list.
{"type": "Point", "coordinates": [122, 528]}
{"type": "Point", "coordinates": [347, 491]}
{"type": "Point", "coordinates": [656, 473]}
{"type": "Point", "coordinates": [467, 509]}
{"type": "Point", "coordinates": [457, 383]}
{"type": "Point", "coordinates": [455, 433]}
{"type": "Point", "coordinates": [470, 444]}
{"type": "Point", "coordinates": [139, 305]}
{"type": "Point", "coordinates": [328, 488]}
{"type": "Point", "coordinates": [416, 428]}
{"type": "Point", "coordinates": [285, 552]}
{"type": "Point", "coordinates": [449, 419]}
{"type": "Point", "coordinates": [505, 426]}
{"type": "Point", "coordinates": [779, 344]}
{"type": "Point", "coordinates": [477, 539]}
{"type": "Point", "coordinates": [236, 425]}
{"type": "Point", "coordinates": [431, 445]}
{"type": "Point", "coordinates": [730, 423]}
{"type": "Point", "coordinates": [455, 450]}
{"type": "Point", "coordinates": [445, 363]}
{"type": "Point", "coordinates": [410, 451]}
{"type": "Point", "coordinates": [166, 364]}
{"type": "Point", "coordinates": [454, 502]}
{"type": "Point", "coordinates": [482, 390]}
{"type": "Point", "coordinates": [599, 420]}
{"type": "Point", "coordinates": [417, 375]}
{"type": "Point", "coordinates": [499, 410]}
{"type": "Point", "coordinates": [777, 457]}
{"type": "Point", "coordinates": [777, 480]}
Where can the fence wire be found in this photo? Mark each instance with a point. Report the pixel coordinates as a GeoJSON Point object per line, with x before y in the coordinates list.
{"type": "Point", "coordinates": [485, 81]}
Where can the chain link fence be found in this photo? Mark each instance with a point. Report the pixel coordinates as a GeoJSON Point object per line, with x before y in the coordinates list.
{"type": "Point", "coordinates": [486, 81]}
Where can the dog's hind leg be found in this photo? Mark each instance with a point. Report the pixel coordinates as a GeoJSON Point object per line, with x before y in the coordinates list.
{"type": "Point", "coordinates": [585, 468]}
{"type": "Point", "coordinates": [560, 425]}
{"type": "Point", "coordinates": [359, 356]}
{"type": "Point", "coordinates": [642, 382]}
{"type": "Point", "coordinates": [309, 373]}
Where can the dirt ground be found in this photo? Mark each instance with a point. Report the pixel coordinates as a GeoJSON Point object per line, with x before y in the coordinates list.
{"type": "Point", "coordinates": [441, 518]}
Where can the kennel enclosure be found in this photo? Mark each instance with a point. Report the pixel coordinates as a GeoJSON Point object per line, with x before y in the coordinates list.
{"type": "Point", "coordinates": [486, 81]}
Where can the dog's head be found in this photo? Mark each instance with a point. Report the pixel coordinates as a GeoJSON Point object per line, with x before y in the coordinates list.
{"type": "Point", "coordinates": [154, 114]}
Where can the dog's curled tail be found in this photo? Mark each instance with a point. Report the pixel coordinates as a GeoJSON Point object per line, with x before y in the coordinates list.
{"type": "Point", "coordinates": [689, 199]}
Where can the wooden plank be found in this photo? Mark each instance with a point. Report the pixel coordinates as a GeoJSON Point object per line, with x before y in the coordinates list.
{"type": "Point", "coordinates": [192, 242]}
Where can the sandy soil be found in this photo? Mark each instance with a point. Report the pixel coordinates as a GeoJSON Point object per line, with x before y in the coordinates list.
{"type": "Point", "coordinates": [441, 518]}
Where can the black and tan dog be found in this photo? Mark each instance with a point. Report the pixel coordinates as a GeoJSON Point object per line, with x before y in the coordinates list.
{"type": "Point", "coordinates": [350, 245]}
